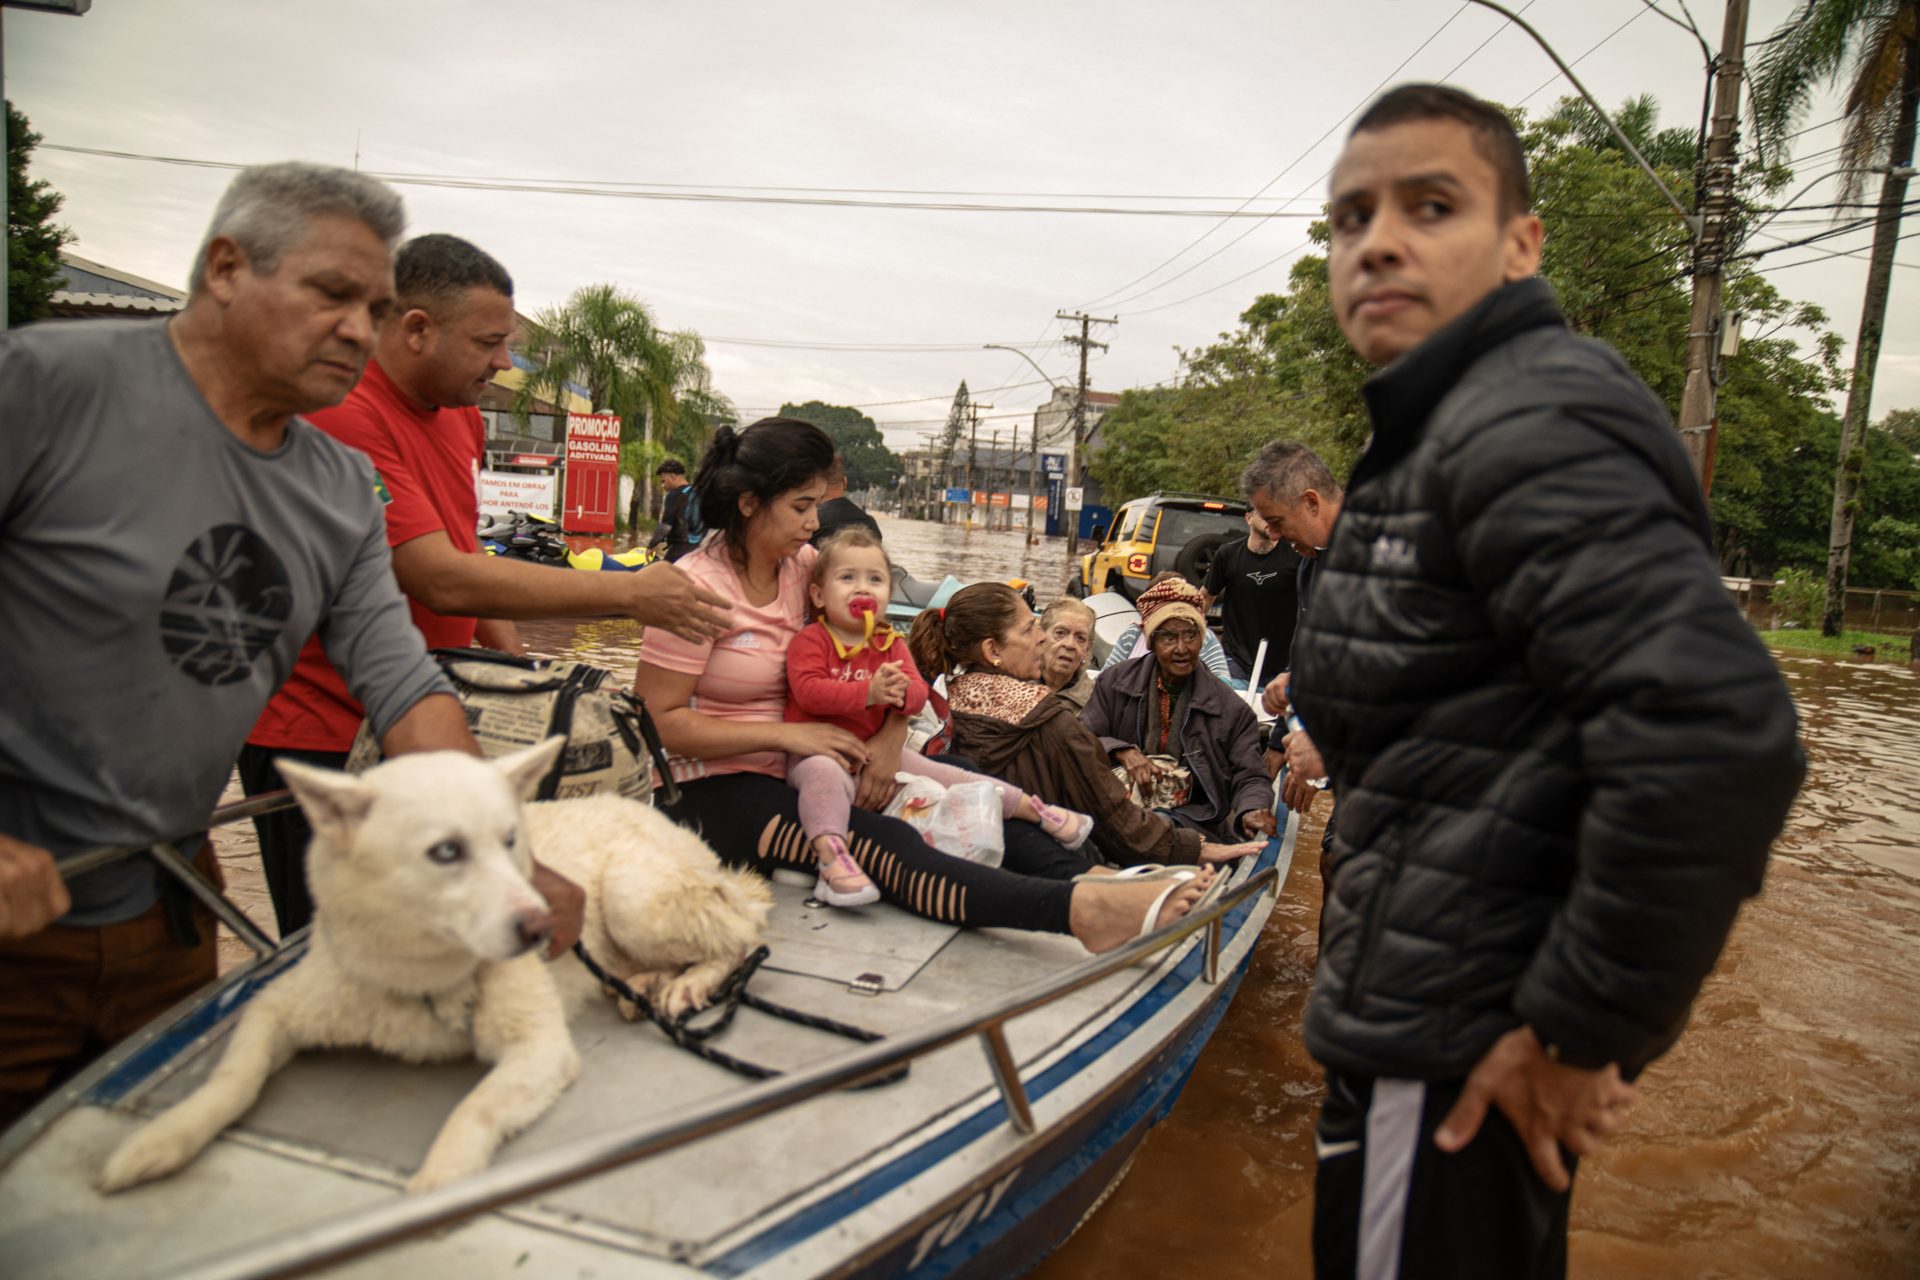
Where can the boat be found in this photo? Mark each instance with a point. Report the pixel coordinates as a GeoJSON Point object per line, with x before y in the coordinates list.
{"type": "Point", "coordinates": [913, 596]}
{"type": "Point", "coordinates": [1034, 1072]}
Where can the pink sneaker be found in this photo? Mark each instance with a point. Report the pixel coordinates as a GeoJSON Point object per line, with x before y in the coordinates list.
{"type": "Point", "coordinates": [1069, 828]}
{"type": "Point", "coordinates": [842, 883]}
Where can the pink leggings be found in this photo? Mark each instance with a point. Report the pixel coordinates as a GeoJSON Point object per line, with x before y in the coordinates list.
{"type": "Point", "coordinates": [826, 789]}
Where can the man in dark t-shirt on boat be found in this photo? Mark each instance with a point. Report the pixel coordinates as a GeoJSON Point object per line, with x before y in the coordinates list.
{"type": "Point", "coordinates": [836, 511]}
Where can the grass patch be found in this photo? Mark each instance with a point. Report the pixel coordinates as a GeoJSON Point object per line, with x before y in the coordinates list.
{"type": "Point", "coordinates": [1898, 648]}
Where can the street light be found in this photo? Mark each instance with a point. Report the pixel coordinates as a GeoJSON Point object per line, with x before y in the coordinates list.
{"type": "Point", "coordinates": [1033, 464]}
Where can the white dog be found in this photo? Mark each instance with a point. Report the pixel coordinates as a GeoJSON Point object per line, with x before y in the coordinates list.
{"type": "Point", "coordinates": [427, 937]}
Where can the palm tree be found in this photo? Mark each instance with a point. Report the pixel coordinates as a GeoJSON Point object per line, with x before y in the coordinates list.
{"type": "Point", "coordinates": [1875, 46]}
{"type": "Point", "coordinates": [686, 421]}
{"type": "Point", "coordinates": [607, 341]}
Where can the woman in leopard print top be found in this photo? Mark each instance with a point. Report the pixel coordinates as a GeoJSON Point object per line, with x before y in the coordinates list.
{"type": "Point", "coordinates": [1007, 721]}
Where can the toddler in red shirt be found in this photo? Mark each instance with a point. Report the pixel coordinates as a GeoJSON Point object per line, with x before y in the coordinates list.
{"type": "Point", "coordinates": [851, 669]}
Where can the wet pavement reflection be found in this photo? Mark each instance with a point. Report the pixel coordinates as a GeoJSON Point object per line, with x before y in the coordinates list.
{"type": "Point", "coordinates": [1781, 1138]}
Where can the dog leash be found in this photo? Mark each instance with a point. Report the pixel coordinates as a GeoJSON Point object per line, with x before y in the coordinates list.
{"type": "Point", "coordinates": [727, 999]}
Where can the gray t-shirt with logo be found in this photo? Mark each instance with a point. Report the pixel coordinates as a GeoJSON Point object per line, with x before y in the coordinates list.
{"type": "Point", "coordinates": [157, 579]}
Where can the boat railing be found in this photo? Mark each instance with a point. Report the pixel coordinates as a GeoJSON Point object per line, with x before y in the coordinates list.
{"type": "Point", "coordinates": [330, 1242]}
{"type": "Point", "coordinates": [167, 854]}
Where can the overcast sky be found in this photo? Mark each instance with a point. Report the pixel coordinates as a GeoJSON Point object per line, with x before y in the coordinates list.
{"type": "Point", "coordinates": [1205, 101]}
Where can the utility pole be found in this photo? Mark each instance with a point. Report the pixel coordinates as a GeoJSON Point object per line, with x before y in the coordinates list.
{"type": "Point", "coordinates": [1013, 470]}
{"type": "Point", "coordinates": [1699, 415]}
{"type": "Point", "coordinates": [1033, 475]}
{"type": "Point", "coordinates": [973, 450]}
{"type": "Point", "coordinates": [1079, 420]}
{"type": "Point", "coordinates": [993, 465]}
{"type": "Point", "coordinates": [926, 476]}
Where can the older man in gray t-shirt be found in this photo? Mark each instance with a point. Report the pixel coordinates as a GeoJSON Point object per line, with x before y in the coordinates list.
{"type": "Point", "coordinates": [160, 577]}
{"type": "Point", "coordinates": [170, 534]}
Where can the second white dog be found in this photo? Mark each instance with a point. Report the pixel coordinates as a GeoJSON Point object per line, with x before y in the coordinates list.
{"type": "Point", "coordinates": [426, 941]}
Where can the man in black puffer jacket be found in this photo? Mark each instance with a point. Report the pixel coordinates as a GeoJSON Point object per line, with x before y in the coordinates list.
{"type": "Point", "coordinates": [1561, 753]}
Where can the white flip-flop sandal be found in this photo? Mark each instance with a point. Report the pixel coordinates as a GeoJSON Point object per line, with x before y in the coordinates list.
{"type": "Point", "coordinates": [1144, 871]}
{"type": "Point", "coordinates": [1179, 876]}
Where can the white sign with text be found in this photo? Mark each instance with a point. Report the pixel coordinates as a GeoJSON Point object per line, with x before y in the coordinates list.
{"type": "Point", "coordinates": [504, 491]}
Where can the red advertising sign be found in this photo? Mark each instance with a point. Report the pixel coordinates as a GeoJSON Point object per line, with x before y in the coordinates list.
{"type": "Point", "coordinates": [593, 472]}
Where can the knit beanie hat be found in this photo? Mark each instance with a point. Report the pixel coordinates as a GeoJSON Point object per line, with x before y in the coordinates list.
{"type": "Point", "coordinates": [1166, 600]}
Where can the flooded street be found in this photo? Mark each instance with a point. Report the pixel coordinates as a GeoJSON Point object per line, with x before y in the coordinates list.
{"type": "Point", "coordinates": [1780, 1139]}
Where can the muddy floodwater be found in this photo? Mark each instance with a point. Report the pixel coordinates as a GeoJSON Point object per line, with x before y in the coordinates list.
{"type": "Point", "coordinates": [1781, 1138]}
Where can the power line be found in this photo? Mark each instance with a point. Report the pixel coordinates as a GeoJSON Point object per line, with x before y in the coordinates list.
{"type": "Point", "coordinates": [1270, 181]}
{"type": "Point", "coordinates": [1687, 26]}
{"type": "Point", "coordinates": [449, 183]}
{"type": "Point", "coordinates": [1848, 253]}
{"type": "Point", "coordinates": [786, 344]}
{"type": "Point", "coordinates": [394, 175]}
{"type": "Point", "coordinates": [1550, 80]}
{"type": "Point", "coordinates": [1861, 254]}
{"type": "Point", "coordinates": [1754, 255]}
{"type": "Point", "coordinates": [1303, 244]}
{"type": "Point", "coordinates": [884, 404]}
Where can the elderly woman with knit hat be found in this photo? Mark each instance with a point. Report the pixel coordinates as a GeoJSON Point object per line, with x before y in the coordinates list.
{"type": "Point", "coordinates": [1128, 647]}
{"type": "Point", "coordinates": [1168, 705]}
{"type": "Point", "coordinates": [1006, 719]}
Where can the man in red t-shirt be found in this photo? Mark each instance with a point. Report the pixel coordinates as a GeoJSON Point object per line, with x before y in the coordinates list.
{"type": "Point", "coordinates": [413, 413]}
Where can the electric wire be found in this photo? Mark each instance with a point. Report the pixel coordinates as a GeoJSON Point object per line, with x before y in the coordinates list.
{"type": "Point", "coordinates": [1306, 243]}
{"type": "Point", "coordinates": [1095, 301]}
{"type": "Point", "coordinates": [449, 183]}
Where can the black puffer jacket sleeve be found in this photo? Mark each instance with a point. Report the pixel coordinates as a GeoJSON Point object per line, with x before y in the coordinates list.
{"type": "Point", "coordinates": [1579, 524]}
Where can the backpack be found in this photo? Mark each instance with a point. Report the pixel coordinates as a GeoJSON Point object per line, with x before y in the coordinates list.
{"type": "Point", "coordinates": [690, 517]}
{"type": "Point", "coordinates": [514, 702]}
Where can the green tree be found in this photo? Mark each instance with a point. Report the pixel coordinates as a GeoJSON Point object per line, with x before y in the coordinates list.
{"type": "Point", "coordinates": [1231, 397]}
{"type": "Point", "coordinates": [609, 342]}
{"type": "Point", "coordinates": [1618, 260]}
{"type": "Point", "coordinates": [33, 238]}
{"type": "Point", "coordinates": [1874, 47]}
{"type": "Point", "coordinates": [1904, 426]}
{"type": "Point", "coordinates": [958, 416]}
{"type": "Point", "coordinates": [870, 463]}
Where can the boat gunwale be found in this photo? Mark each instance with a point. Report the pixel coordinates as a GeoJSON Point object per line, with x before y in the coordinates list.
{"type": "Point", "coordinates": [1209, 1008]}
{"type": "Point", "coordinates": [344, 1237]}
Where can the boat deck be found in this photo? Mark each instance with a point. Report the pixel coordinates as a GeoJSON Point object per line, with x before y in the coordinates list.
{"type": "Point", "coordinates": [835, 1175]}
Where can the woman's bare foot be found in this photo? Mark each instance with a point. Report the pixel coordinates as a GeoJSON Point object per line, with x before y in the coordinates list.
{"type": "Point", "coordinates": [1103, 917]}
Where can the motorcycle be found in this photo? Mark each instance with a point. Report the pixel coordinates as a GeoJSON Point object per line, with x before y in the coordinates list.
{"type": "Point", "coordinates": [521, 535]}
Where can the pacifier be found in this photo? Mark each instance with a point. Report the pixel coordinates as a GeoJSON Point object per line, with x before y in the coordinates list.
{"type": "Point", "coordinates": [868, 607]}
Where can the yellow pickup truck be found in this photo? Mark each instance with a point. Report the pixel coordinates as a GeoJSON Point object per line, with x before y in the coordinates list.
{"type": "Point", "coordinates": [1177, 531]}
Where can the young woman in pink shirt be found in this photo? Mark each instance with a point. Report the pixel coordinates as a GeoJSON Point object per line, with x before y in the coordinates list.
{"type": "Point", "coordinates": [720, 707]}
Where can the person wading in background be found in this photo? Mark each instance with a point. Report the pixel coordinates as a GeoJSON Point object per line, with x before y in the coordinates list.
{"type": "Point", "coordinates": [677, 533]}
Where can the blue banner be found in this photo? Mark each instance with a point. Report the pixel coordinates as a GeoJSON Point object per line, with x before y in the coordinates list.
{"type": "Point", "coordinates": [959, 495]}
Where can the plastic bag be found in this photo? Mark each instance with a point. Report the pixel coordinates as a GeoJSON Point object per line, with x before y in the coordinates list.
{"type": "Point", "coordinates": [963, 820]}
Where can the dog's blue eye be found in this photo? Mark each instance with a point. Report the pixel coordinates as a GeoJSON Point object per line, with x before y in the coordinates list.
{"type": "Point", "coordinates": [447, 851]}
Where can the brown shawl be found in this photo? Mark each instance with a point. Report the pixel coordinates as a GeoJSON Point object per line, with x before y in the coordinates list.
{"type": "Point", "coordinates": [1021, 732]}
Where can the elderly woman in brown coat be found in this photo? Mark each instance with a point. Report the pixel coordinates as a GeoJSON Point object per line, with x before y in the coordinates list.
{"type": "Point", "coordinates": [1166, 704]}
{"type": "Point", "coordinates": [1010, 723]}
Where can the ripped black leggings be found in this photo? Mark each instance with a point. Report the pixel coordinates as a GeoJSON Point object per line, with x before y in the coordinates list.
{"type": "Point", "coordinates": [753, 820]}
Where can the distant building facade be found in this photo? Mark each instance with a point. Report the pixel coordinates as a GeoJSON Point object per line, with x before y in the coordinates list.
{"type": "Point", "coordinates": [90, 289]}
